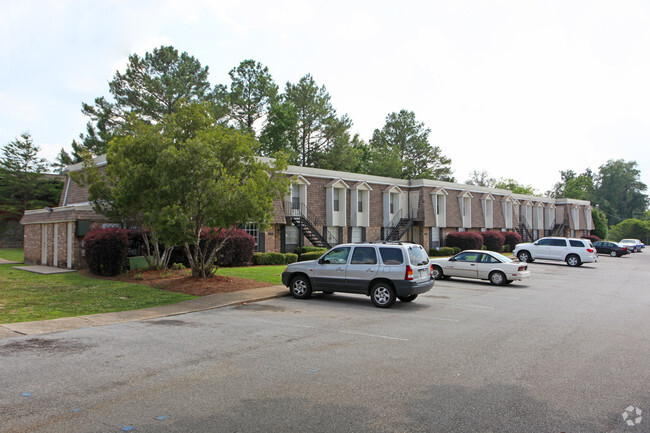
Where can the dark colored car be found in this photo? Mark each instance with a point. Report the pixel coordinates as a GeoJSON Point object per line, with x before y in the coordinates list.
{"type": "Point", "coordinates": [614, 249]}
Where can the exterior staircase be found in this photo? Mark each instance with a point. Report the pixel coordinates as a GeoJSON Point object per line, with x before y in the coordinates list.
{"type": "Point", "coordinates": [399, 230]}
{"type": "Point", "coordinates": [307, 222]}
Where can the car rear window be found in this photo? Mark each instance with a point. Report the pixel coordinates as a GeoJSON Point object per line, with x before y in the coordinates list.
{"type": "Point", "coordinates": [417, 255]}
{"type": "Point", "coordinates": [576, 243]}
{"type": "Point", "coordinates": [391, 256]}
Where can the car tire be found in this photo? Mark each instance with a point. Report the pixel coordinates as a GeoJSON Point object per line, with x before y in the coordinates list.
{"type": "Point", "coordinates": [573, 260]}
{"type": "Point", "coordinates": [382, 295]}
{"type": "Point", "coordinates": [408, 298]}
{"type": "Point", "coordinates": [613, 254]}
{"type": "Point", "coordinates": [524, 256]}
{"type": "Point", "coordinates": [300, 287]}
{"type": "Point", "coordinates": [437, 272]}
{"type": "Point", "coordinates": [497, 278]}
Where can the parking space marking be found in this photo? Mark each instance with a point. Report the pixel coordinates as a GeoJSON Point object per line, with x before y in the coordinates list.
{"type": "Point", "coordinates": [385, 337]}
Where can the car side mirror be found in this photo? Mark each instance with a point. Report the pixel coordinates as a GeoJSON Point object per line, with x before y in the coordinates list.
{"type": "Point", "coordinates": [321, 261]}
{"type": "Point", "coordinates": [536, 243]}
{"type": "Point", "coordinates": [452, 259]}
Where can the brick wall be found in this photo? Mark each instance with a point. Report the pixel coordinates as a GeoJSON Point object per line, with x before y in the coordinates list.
{"type": "Point", "coordinates": [32, 244]}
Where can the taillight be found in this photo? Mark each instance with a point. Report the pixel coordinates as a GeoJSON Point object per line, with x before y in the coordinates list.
{"type": "Point", "coordinates": [590, 250]}
{"type": "Point", "coordinates": [409, 273]}
{"type": "Point", "coordinates": [522, 268]}
{"type": "Point", "coordinates": [431, 271]}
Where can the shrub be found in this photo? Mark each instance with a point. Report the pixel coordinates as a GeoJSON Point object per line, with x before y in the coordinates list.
{"type": "Point", "coordinates": [314, 255]}
{"type": "Point", "coordinates": [493, 241]}
{"type": "Point", "coordinates": [106, 251]}
{"type": "Point", "coordinates": [505, 248]}
{"type": "Point", "coordinates": [455, 250]}
{"type": "Point", "coordinates": [290, 258]}
{"type": "Point", "coordinates": [512, 239]}
{"type": "Point", "coordinates": [464, 240]}
{"type": "Point", "coordinates": [300, 250]}
{"type": "Point", "coordinates": [435, 252]}
{"type": "Point", "coordinates": [237, 250]}
{"type": "Point", "coordinates": [592, 238]}
{"type": "Point", "coordinates": [269, 259]}
{"type": "Point", "coordinates": [448, 251]}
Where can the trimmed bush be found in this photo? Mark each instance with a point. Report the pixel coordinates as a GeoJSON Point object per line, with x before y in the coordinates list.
{"type": "Point", "coordinates": [314, 255]}
{"type": "Point", "coordinates": [464, 240]}
{"type": "Point", "coordinates": [106, 251]}
{"type": "Point", "coordinates": [290, 258]}
{"type": "Point", "coordinates": [512, 239]}
{"type": "Point", "coordinates": [435, 252]}
{"type": "Point", "coordinates": [442, 251]}
{"type": "Point", "coordinates": [505, 248]}
{"type": "Point", "coordinates": [455, 250]}
{"type": "Point", "coordinates": [493, 241]}
{"type": "Point", "coordinates": [592, 238]}
{"type": "Point", "coordinates": [300, 250]}
{"type": "Point", "coordinates": [269, 259]}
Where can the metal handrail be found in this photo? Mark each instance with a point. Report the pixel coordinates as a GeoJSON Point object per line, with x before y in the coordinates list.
{"type": "Point", "coordinates": [396, 219]}
{"type": "Point", "coordinates": [311, 217]}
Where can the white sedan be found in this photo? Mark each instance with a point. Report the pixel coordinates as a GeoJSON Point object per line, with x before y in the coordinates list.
{"type": "Point", "coordinates": [485, 265]}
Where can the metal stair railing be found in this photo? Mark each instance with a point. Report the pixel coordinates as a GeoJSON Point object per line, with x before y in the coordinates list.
{"type": "Point", "coordinates": [308, 222]}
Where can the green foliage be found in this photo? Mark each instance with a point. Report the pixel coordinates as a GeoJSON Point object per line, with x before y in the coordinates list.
{"type": "Point", "coordinates": [152, 86]}
{"type": "Point", "coordinates": [401, 149]}
{"type": "Point", "coordinates": [290, 258]}
{"type": "Point", "coordinates": [26, 296]}
{"type": "Point", "coordinates": [515, 187]}
{"type": "Point", "coordinates": [600, 223]}
{"type": "Point", "coordinates": [631, 229]}
{"type": "Point", "coordinates": [300, 250]}
{"type": "Point", "coordinates": [270, 259]}
{"type": "Point", "coordinates": [442, 252]}
{"type": "Point", "coordinates": [24, 184]}
{"type": "Point", "coordinates": [314, 255]}
{"type": "Point", "coordinates": [580, 187]}
{"type": "Point", "coordinates": [280, 134]}
{"type": "Point", "coordinates": [251, 91]}
{"type": "Point", "coordinates": [456, 250]}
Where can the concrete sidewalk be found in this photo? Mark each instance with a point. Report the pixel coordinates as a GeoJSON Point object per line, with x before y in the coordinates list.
{"type": "Point", "coordinates": [199, 304]}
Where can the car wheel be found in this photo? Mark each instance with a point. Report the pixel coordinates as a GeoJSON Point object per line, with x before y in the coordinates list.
{"type": "Point", "coordinates": [524, 256]}
{"type": "Point", "coordinates": [382, 295]}
{"type": "Point", "coordinates": [573, 260]}
{"type": "Point", "coordinates": [498, 278]}
{"type": "Point", "coordinates": [409, 298]}
{"type": "Point", "coordinates": [300, 288]}
{"type": "Point", "coordinates": [613, 253]}
{"type": "Point", "coordinates": [437, 273]}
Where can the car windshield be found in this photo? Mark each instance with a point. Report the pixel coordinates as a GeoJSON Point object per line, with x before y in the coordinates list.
{"type": "Point", "coordinates": [417, 255]}
{"type": "Point", "coordinates": [501, 257]}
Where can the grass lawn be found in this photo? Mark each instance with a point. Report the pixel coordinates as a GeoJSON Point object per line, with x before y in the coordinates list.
{"type": "Point", "coordinates": [268, 274]}
{"type": "Point", "coordinates": [25, 296]}
{"type": "Point", "coordinates": [13, 254]}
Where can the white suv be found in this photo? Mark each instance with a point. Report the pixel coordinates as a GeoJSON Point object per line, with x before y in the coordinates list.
{"type": "Point", "coordinates": [574, 252]}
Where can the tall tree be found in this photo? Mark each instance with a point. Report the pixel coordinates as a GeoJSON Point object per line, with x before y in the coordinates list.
{"type": "Point", "coordinates": [576, 186]}
{"type": "Point", "coordinates": [251, 92]}
{"type": "Point", "coordinates": [402, 149]}
{"type": "Point", "coordinates": [23, 182]}
{"type": "Point", "coordinates": [152, 86]}
{"type": "Point", "coordinates": [191, 173]}
{"type": "Point", "coordinates": [481, 178]}
{"type": "Point", "coordinates": [600, 223]}
{"type": "Point", "coordinates": [280, 134]}
{"type": "Point", "coordinates": [318, 125]}
{"type": "Point", "coordinates": [619, 191]}
{"type": "Point", "coordinates": [515, 186]}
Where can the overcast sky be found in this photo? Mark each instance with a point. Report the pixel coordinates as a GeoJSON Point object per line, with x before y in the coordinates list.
{"type": "Point", "coordinates": [522, 89]}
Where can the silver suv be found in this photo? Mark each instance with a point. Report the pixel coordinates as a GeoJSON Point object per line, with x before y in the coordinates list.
{"type": "Point", "coordinates": [385, 271]}
{"type": "Point", "coordinates": [574, 252]}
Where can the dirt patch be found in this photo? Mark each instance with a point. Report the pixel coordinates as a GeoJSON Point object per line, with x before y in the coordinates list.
{"type": "Point", "coordinates": [175, 280]}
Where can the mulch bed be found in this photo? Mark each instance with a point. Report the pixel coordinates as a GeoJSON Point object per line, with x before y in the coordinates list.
{"type": "Point", "coordinates": [179, 281]}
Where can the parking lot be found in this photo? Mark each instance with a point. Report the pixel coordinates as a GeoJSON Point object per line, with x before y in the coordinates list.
{"type": "Point", "coordinates": [566, 351]}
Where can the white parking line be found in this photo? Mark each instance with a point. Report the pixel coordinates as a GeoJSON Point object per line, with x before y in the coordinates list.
{"type": "Point", "coordinates": [386, 337]}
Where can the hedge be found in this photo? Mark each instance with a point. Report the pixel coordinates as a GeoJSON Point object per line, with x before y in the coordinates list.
{"type": "Point", "coordinates": [493, 241]}
{"type": "Point", "coordinates": [106, 250]}
{"type": "Point", "coordinates": [300, 250]}
{"type": "Point", "coordinates": [464, 240]}
{"type": "Point", "coordinates": [314, 255]}
{"type": "Point", "coordinates": [512, 239]}
{"type": "Point", "coordinates": [274, 258]}
{"type": "Point", "coordinates": [592, 238]}
{"type": "Point", "coordinates": [442, 251]}
{"type": "Point", "coordinates": [237, 250]}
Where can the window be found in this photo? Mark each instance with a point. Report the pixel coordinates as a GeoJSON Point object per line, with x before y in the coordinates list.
{"type": "Point", "coordinates": [291, 235]}
{"type": "Point", "coordinates": [253, 230]}
{"type": "Point", "coordinates": [364, 256]}
{"type": "Point", "coordinates": [360, 202]}
{"type": "Point", "coordinates": [337, 256]}
{"type": "Point", "coordinates": [295, 197]}
{"type": "Point", "coordinates": [489, 259]}
{"type": "Point", "coordinates": [336, 199]}
{"type": "Point", "coordinates": [467, 257]}
{"type": "Point", "coordinates": [356, 234]}
{"type": "Point", "coordinates": [579, 244]}
{"type": "Point", "coordinates": [439, 204]}
{"type": "Point", "coordinates": [391, 256]}
{"type": "Point", "coordinates": [544, 242]}
{"type": "Point", "coordinates": [558, 243]}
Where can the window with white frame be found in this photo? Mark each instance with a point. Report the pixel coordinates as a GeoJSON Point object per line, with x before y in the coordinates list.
{"type": "Point", "coordinates": [253, 230]}
{"type": "Point", "coordinates": [336, 194]}
{"type": "Point", "coordinates": [360, 196]}
{"type": "Point", "coordinates": [439, 201]}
